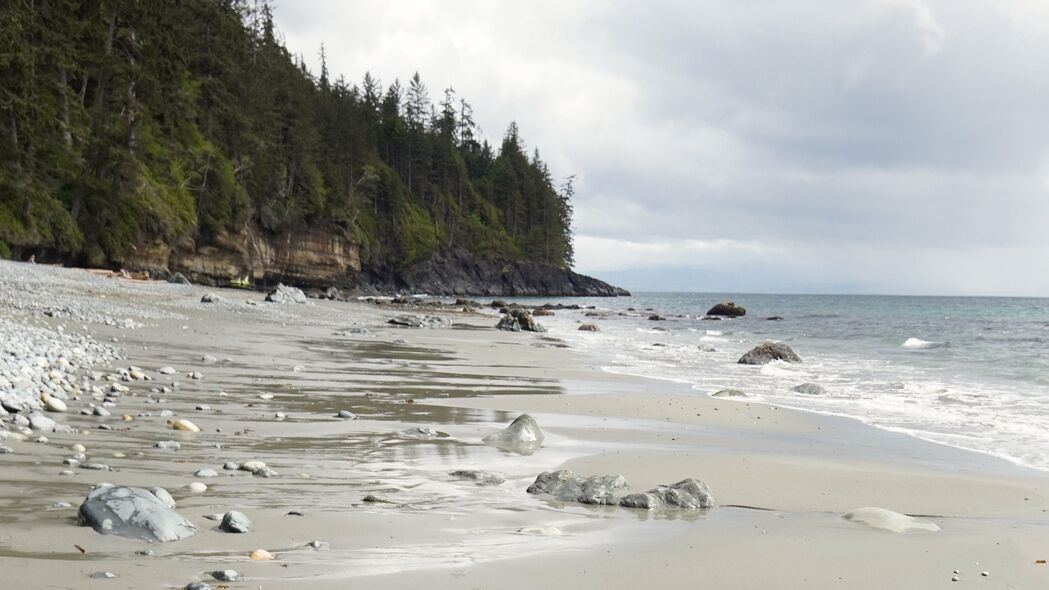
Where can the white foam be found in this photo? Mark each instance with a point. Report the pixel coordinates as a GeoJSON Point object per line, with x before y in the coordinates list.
{"type": "Point", "coordinates": [919, 344]}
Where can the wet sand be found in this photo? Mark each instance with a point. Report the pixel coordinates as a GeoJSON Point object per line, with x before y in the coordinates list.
{"type": "Point", "coordinates": [782, 478]}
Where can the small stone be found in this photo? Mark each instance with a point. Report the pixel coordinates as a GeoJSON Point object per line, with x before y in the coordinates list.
{"type": "Point", "coordinates": [103, 575]}
{"type": "Point", "coordinates": [954, 578]}
{"type": "Point", "coordinates": [985, 574]}
{"type": "Point", "coordinates": [167, 445]}
{"type": "Point", "coordinates": [185, 426]}
{"type": "Point", "coordinates": [266, 396]}
{"type": "Point", "coordinates": [196, 375]}
{"type": "Point", "coordinates": [78, 448]}
{"type": "Point", "coordinates": [207, 359]}
{"type": "Point", "coordinates": [101, 412]}
{"type": "Point", "coordinates": [230, 466]}
{"type": "Point", "coordinates": [260, 555]}
{"type": "Point", "coordinates": [53, 404]}
{"type": "Point", "coordinates": [206, 472]}
{"type": "Point", "coordinates": [197, 487]}
{"type": "Point", "coordinates": [146, 552]}
{"type": "Point", "coordinates": [95, 466]}
{"type": "Point", "coordinates": [198, 586]}
{"type": "Point", "coordinates": [319, 545]}
{"type": "Point", "coordinates": [226, 575]}
{"type": "Point", "coordinates": [166, 370]}
{"type": "Point", "coordinates": [346, 414]}
{"type": "Point", "coordinates": [253, 465]}
{"type": "Point", "coordinates": [235, 522]}
{"type": "Point", "coordinates": [203, 408]}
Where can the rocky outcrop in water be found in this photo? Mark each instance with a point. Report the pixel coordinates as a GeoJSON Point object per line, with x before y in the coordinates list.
{"type": "Point", "coordinates": [519, 319]}
{"type": "Point", "coordinates": [523, 435]}
{"type": "Point", "coordinates": [286, 294]}
{"type": "Point", "coordinates": [688, 494]}
{"type": "Point", "coordinates": [766, 352]}
{"type": "Point", "coordinates": [134, 513]}
{"type": "Point", "coordinates": [569, 487]}
{"type": "Point", "coordinates": [727, 309]}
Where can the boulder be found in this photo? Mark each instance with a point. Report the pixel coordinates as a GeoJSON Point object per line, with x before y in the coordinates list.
{"type": "Point", "coordinates": [523, 435]}
{"type": "Point", "coordinates": [688, 494]}
{"type": "Point", "coordinates": [518, 319]}
{"type": "Point", "coordinates": [727, 309]}
{"type": "Point", "coordinates": [588, 328]}
{"type": "Point", "coordinates": [656, 318]}
{"type": "Point", "coordinates": [568, 487]}
{"type": "Point", "coordinates": [41, 423]}
{"type": "Point", "coordinates": [286, 294]}
{"type": "Point", "coordinates": [134, 513]}
{"type": "Point", "coordinates": [766, 352]}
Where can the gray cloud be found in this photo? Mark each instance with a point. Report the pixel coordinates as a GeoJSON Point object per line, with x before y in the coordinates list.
{"type": "Point", "coordinates": [891, 145]}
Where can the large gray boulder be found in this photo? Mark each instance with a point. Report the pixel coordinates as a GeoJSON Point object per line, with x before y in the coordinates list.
{"type": "Point", "coordinates": [286, 294]}
{"type": "Point", "coordinates": [688, 494]}
{"type": "Point", "coordinates": [523, 435]}
{"type": "Point", "coordinates": [235, 522]}
{"type": "Point", "coordinates": [569, 487]}
{"type": "Point", "coordinates": [134, 513]}
{"type": "Point", "coordinates": [727, 309]}
{"type": "Point", "coordinates": [766, 352]}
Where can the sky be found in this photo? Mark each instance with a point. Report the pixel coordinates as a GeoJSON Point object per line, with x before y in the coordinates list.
{"type": "Point", "coordinates": [868, 146]}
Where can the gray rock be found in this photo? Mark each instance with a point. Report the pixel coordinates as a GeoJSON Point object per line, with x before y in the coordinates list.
{"type": "Point", "coordinates": [212, 298]}
{"type": "Point", "coordinates": [94, 466]}
{"type": "Point", "coordinates": [102, 412]}
{"type": "Point", "coordinates": [163, 496]}
{"type": "Point", "coordinates": [484, 478]}
{"type": "Point", "coordinates": [568, 487]}
{"type": "Point", "coordinates": [523, 435]}
{"type": "Point", "coordinates": [688, 494]}
{"type": "Point", "coordinates": [422, 432]}
{"type": "Point", "coordinates": [103, 575]}
{"type": "Point", "coordinates": [206, 472]}
{"type": "Point", "coordinates": [41, 423]}
{"type": "Point", "coordinates": [346, 415]}
{"type": "Point", "coordinates": [319, 545]}
{"type": "Point", "coordinates": [729, 393]}
{"type": "Point", "coordinates": [266, 472]}
{"type": "Point", "coordinates": [286, 294]}
{"type": "Point", "coordinates": [198, 586]}
{"type": "Point", "coordinates": [167, 445]}
{"type": "Point", "coordinates": [419, 321]}
{"type": "Point", "coordinates": [766, 352]}
{"type": "Point", "coordinates": [519, 319]}
{"type": "Point", "coordinates": [809, 389]}
{"type": "Point", "coordinates": [230, 466]}
{"type": "Point", "coordinates": [589, 328]}
{"type": "Point", "coordinates": [226, 575]}
{"type": "Point", "coordinates": [235, 522]}
{"type": "Point", "coordinates": [727, 309]}
{"type": "Point", "coordinates": [133, 513]}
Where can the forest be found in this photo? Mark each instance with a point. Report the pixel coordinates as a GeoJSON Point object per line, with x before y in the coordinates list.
{"type": "Point", "coordinates": [124, 122]}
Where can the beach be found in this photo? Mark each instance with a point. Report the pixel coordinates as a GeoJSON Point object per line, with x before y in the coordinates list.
{"type": "Point", "coordinates": [374, 491]}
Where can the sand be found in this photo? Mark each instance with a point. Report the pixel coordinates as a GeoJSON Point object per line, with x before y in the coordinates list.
{"type": "Point", "coordinates": [782, 478]}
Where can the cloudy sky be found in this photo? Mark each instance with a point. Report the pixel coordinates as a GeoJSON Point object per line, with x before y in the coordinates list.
{"type": "Point", "coordinates": [879, 146]}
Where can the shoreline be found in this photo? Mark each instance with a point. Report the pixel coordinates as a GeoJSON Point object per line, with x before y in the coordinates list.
{"type": "Point", "coordinates": [801, 468]}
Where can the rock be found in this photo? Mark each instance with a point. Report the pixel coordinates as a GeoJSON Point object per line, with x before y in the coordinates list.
{"type": "Point", "coordinates": [134, 513]}
{"type": "Point", "coordinates": [253, 465]}
{"type": "Point", "coordinates": [198, 586]}
{"type": "Point", "coordinates": [41, 423]}
{"type": "Point", "coordinates": [887, 520]}
{"type": "Point", "coordinates": [53, 404]}
{"type": "Point", "coordinates": [260, 555]}
{"type": "Point", "coordinates": [167, 370]}
{"type": "Point", "coordinates": [197, 487]}
{"type": "Point", "coordinates": [519, 319]}
{"type": "Point", "coordinates": [319, 545]}
{"type": "Point", "coordinates": [656, 318]}
{"type": "Point", "coordinates": [167, 445]}
{"type": "Point", "coordinates": [235, 522]}
{"type": "Point", "coordinates": [540, 312]}
{"type": "Point", "coordinates": [809, 389]}
{"type": "Point", "coordinates": [774, 318]}
{"type": "Point", "coordinates": [206, 472]}
{"type": "Point", "coordinates": [419, 321]}
{"type": "Point", "coordinates": [568, 487]}
{"type": "Point", "coordinates": [230, 466]}
{"type": "Point", "coordinates": [766, 352]}
{"type": "Point", "coordinates": [523, 435]}
{"type": "Point", "coordinates": [163, 496]}
{"type": "Point", "coordinates": [207, 359]}
{"type": "Point", "coordinates": [688, 494]}
{"type": "Point", "coordinates": [103, 575]}
{"type": "Point", "coordinates": [346, 415]}
{"type": "Point", "coordinates": [212, 298]}
{"type": "Point", "coordinates": [94, 466]}
{"type": "Point", "coordinates": [78, 448]}
{"type": "Point", "coordinates": [185, 426]}
{"type": "Point", "coordinates": [226, 575]}
{"type": "Point", "coordinates": [589, 328]}
{"type": "Point", "coordinates": [101, 412]}
{"type": "Point", "coordinates": [484, 478]}
{"type": "Point", "coordinates": [729, 393]}
{"type": "Point", "coordinates": [727, 309]}
{"type": "Point", "coordinates": [421, 432]}
{"type": "Point", "coordinates": [286, 294]}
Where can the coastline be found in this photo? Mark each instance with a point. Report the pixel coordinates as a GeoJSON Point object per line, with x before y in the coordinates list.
{"type": "Point", "coordinates": [801, 469]}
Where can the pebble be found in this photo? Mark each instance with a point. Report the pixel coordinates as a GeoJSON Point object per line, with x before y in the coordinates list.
{"type": "Point", "coordinates": [253, 465]}
{"type": "Point", "coordinates": [166, 370]}
{"type": "Point", "coordinates": [226, 575]}
{"type": "Point", "coordinates": [103, 575]}
{"type": "Point", "coordinates": [196, 375]}
{"type": "Point", "coordinates": [5, 450]}
{"type": "Point", "coordinates": [198, 586]}
{"type": "Point", "coordinates": [78, 448]}
{"type": "Point", "coordinates": [265, 396]}
{"type": "Point", "coordinates": [319, 545]}
{"type": "Point", "coordinates": [346, 414]}
{"type": "Point", "coordinates": [185, 426]}
{"type": "Point", "coordinates": [230, 466]}
{"type": "Point", "coordinates": [260, 555]}
{"type": "Point", "coordinates": [197, 487]}
{"type": "Point", "coordinates": [66, 472]}
{"type": "Point", "coordinates": [206, 472]}
{"type": "Point", "coordinates": [53, 404]}
{"type": "Point", "coordinates": [100, 411]}
{"type": "Point", "coordinates": [203, 408]}
{"type": "Point", "coordinates": [95, 466]}
{"type": "Point", "coordinates": [985, 574]}
{"type": "Point", "coordinates": [168, 445]}
{"type": "Point", "coordinates": [208, 359]}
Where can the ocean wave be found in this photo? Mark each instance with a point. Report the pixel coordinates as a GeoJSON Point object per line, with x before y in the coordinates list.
{"type": "Point", "coordinates": [919, 344]}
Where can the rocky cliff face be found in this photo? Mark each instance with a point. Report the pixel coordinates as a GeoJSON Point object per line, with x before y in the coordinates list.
{"type": "Point", "coordinates": [460, 273]}
{"type": "Point", "coordinates": [326, 256]}
{"type": "Point", "coordinates": [321, 256]}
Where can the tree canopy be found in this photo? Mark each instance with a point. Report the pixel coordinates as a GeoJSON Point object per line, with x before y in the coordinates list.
{"type": "Point", "coordinates": [125, 122]}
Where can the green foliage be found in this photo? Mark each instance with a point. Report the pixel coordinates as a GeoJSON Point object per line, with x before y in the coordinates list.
{"type": "Point", "coordinates": [127, 122]}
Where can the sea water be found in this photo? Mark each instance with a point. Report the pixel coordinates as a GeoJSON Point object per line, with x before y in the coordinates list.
{"type": "Point", "coordinates": [970, 372]}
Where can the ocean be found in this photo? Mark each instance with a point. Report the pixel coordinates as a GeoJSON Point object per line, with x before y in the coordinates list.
{"type": "Point", "coordinates": [970, 372]}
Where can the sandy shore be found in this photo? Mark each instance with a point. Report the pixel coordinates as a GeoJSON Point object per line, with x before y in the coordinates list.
{"type": "Point", "coordinates": [278, 374]}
